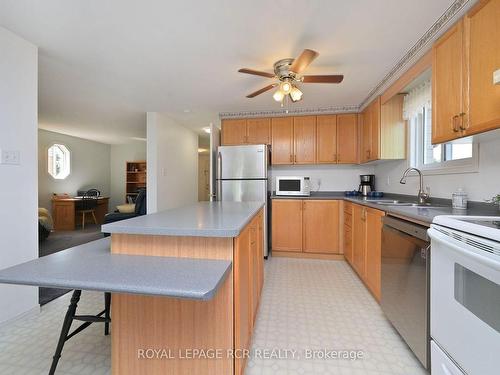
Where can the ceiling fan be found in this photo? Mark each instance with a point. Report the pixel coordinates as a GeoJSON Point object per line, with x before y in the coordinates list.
{"type": "Point", "coordinates": [288, 72]}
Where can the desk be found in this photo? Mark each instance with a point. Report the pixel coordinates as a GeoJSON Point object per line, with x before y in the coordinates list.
{"type": "Point", "coordinates": [64, 212]}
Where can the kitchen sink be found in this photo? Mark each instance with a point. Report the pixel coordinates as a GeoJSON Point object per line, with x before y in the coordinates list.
{"type": "Point", "coordinates": [408, 204]}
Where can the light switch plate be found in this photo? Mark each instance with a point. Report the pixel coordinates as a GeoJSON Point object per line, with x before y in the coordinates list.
{"type": "Point", "coordinates": [496, 77]}
{"type": "Point", "coordinates": [10, 157]}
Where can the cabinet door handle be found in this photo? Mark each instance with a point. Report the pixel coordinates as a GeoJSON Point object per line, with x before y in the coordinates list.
{"type": "Point", "coordinates": [454, 123]}
{"type": "Point", "coordinates": [464, 123]}
{"type": "Point", "coordinates": [291, 158]}
{"type": "Point", "coordinates": [295, 159]}
{"type": "Point", "coordinates": [368, 153]}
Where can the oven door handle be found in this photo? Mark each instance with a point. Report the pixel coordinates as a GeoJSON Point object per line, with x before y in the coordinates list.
{"type": "Point", "coordinates": [471, 252]}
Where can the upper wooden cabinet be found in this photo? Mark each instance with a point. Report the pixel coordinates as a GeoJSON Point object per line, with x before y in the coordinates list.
{"type": "Point", "coordinates": [482, 40]}
{"type": "Point", "coordinates": [234, 132]}
{"type": "Point", "coordinates": [320, 223]}
{"type": "Point", "coordinates": [383, 130]}
{"type": "Point", "coordinates": [304, 140]}
{"type": "Point", "coordinates": [282, 140]}
{"type": "Point", "coordinates": [326, 139]}
{"type": "Point", "coordinates": [448, 84]}
{"type": "Point", "coordinates": [464, 99]}
{"type": "Point", "coordinates": [337, 139]}
{"type": "Point", "coordinates": [259, 131]}
{"type": "Point", "coordinates": [246, 131]}
{"type": "Point", "coordinates": [347, 138]}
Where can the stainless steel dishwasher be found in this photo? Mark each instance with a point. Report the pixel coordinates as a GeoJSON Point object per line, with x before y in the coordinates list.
{"type": "Point", "coordinates": [405, 283]}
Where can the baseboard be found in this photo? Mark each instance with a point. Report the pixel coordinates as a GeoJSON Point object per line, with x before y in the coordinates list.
{"type": "Point", "coordinates": [290, 254]}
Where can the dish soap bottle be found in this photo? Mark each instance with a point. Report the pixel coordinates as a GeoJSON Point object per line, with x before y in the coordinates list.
{"type": "Point", "coordinates": [459, 199]}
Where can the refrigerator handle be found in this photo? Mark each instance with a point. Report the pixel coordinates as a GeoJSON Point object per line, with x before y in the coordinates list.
{"type": "Point", "coordinates": [218, 196]}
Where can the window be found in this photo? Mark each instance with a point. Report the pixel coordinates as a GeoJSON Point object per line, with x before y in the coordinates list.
{"type": "Point", "coordinates": [59, 161]}
{"type": "Point", "coordinates": [457, 156]}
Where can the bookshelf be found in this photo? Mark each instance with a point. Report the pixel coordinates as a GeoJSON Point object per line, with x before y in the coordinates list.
{"type": "Point", "coordinates": [135, 179]}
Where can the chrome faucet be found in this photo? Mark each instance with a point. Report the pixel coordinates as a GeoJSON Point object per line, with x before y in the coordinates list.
{"type": "Point", "coordinates": [421, 196]}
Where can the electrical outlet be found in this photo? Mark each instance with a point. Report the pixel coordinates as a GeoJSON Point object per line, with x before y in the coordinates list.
{"type": "Point", "coordinates": [388, 181]}
{"type": "Point", "coordinates": [10, 157]}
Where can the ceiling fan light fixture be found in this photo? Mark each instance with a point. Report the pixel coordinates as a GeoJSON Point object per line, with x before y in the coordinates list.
{"type": "Point", "coordinates": [295, 94]}
{"type": "Point", "coordinates": [278, 95]}
{"type": "Point", "coordinates": [286, 87]}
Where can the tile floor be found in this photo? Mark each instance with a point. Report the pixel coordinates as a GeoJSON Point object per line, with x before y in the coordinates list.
{"type": "Point", "coordinates": [306, 304]}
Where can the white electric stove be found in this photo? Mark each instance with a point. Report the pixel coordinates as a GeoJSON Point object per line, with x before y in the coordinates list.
{"type": "Point", "coordinates": [465, 295]}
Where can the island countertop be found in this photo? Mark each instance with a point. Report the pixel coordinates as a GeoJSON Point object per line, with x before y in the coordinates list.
{"type": "Point", "coordinates": [201, 219]}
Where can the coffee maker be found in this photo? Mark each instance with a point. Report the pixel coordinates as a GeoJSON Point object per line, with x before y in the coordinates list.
{"type": "Point", "coordinates": [367, 184]}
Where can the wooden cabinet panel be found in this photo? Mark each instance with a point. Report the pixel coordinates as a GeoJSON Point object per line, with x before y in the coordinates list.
{"type": "Point", "coordinates": [321, 226]}
{"type": "Point", "coordinates": [304, 135]}
{"type": "Point", "coordinates": [287, 225]}
{"type": "Point", "coordinates": [259, 131]}
{"type": "Point", "coordinates": [375, 129]}
{"type": "Point", "coordinates": [482, 33]}
{"type": "Point", "coordinates": [365, 135]}
{"type": "Point", "coordinates": [326, 139]}
{"type": "Point", "coordinates": [64, 215]}
{"type": "Point", "coordinates": [347, 237]}
{"type": "Point", "coordinates": [392, 129]}
{"type": "Point", "coordinates": [447, 84]}
{"type": "Point", "coordinates": [373, 250]}
{"type": "Point", "coordinates": [282, 140]}
{"type": "Point", "coordinates": [359, 239]}
{"type": "Point", "coordinates": [347, 138]}
{"type": "Point", "coordinates": [234, 132]}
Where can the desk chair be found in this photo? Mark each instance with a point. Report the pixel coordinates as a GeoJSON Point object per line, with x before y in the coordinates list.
{"type": "Point", "coordinates": [88, 205]}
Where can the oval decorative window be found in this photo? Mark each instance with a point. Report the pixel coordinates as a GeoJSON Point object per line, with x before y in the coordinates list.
{"type": "Point", "coordinates": [59, 161]}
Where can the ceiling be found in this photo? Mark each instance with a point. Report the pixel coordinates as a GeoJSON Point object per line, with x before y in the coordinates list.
{"type": "Point", "coordinates": [103, 64]}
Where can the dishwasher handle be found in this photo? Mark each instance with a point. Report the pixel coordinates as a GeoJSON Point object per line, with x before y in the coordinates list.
{"type": "Point", "coordinates": [407, 227]}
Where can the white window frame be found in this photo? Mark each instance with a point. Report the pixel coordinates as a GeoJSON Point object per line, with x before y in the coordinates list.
{"type": "Point", "coordinates": [416, 159]}
{"type": "Point", "coordinates": [69, 160]}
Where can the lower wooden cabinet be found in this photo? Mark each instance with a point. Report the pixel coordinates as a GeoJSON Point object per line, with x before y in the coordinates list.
{"type": "Point", "coordinates": [373, 260]}
{"type": "Point", "coordinates": [347, 235]}
{"type": "Point", "coordinates": [362, 244]}
{"type": "Point", "coordinates": [248, 276]}
{"type": "Point", "coordinates": [308, 226]}
{"type": "Point", "coordinates": [320, 225]}
{"type": "Point", "coordinates": [359, 239]}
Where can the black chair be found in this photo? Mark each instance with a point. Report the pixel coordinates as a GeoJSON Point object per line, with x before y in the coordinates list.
{"type": "Point", "coordinates": [88, 205]}
{"type": "Point", "coordinates": [140, 209]}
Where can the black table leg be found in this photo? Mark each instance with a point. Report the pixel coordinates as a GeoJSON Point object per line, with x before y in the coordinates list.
{"type": "Point", "coordinates": [68, 320]}
{"type": "Point", "coordinates": [107, 307]}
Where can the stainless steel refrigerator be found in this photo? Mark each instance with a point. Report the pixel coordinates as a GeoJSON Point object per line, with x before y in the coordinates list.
{"type": "Point", "coordinates": [242, 176]}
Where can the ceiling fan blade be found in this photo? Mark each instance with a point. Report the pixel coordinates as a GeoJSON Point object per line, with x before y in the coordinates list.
{"type": "Point", "coordinates": [256, 73]}
{"type": "Point", "coordinates": [258, 92]}
{"type": "Point", "coordinates": [300, 63]}
{"type": "Point", "coordinates": [334, 78]}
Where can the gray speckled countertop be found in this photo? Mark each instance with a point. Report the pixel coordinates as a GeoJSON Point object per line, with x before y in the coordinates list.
{"type": "Point", "coordinates": [202, 219]}
{"type": "Point", "coordinates": [422, 214]}
{"type": "Point", "coordinates": [92, 267]}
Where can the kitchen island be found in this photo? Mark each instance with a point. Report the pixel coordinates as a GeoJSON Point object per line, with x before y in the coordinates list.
{"type": "Point", "coordinates": [164, 335]}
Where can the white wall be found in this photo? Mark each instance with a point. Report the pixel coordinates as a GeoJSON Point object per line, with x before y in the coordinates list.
{"type": "Point", "coordinates": [172, 156]}
{"type": "Point", "coordinates": [90, 166]}
{"type": "Point", "coordinates": [325, 177]}
{"type": "Point", "coordinates": [120, 154]}
{"type": "Point", "coordinates": [479, 185]}
{"type": "Point", "coordinates": [18, 187]}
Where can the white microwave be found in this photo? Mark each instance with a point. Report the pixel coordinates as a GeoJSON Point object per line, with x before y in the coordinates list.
{"type": "Point", "coordinates": [293, 185]}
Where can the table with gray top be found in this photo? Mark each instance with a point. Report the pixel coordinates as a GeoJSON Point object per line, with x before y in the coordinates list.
{"type": "Point", "coordinates": [201, 219]}
{"type": "Point", "coordinates": [92, 267]}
